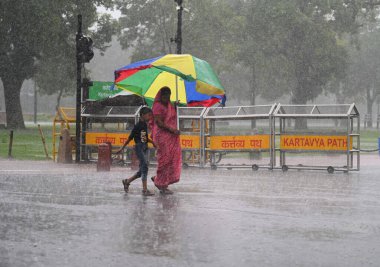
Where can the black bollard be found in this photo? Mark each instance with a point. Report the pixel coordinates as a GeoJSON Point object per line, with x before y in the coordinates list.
{"type": "Point", "coordinates": [10, 144]}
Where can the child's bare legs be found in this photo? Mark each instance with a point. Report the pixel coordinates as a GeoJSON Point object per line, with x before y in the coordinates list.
{"type": "Point", "coordinates": [145, 190]}
{"type": "Point", "coordinates": [132, 178]}
{"type": "Point", "coordinates": [142, 154]}
{"type": "Point", "coordinates": [127, 182]}
{"type": "Point", "coordinates": [141, 150]}
{"type": "Point", "coordinates": [144, 175]}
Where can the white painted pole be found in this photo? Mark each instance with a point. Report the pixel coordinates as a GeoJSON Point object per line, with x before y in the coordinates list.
{"type": "Point", "coordinates": [176, 93]}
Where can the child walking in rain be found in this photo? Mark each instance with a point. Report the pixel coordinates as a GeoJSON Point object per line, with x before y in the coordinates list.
{"type": "Point", "coordinates": [140, 135]}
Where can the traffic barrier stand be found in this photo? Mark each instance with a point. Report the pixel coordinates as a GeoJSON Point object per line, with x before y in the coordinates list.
{"type": "Point", "coordinates": [317, 137]}
{"type": "Point", "coordinates": [193, 129]}
{"type": "Point", "coordinates": [239, 136]}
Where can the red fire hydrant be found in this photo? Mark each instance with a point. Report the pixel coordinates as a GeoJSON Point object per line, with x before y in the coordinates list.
{"type": "Point", "coordinates": [104, 157]}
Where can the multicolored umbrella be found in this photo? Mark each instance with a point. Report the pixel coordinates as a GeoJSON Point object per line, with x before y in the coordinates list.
{"type": "Point", "coordinates": [191, 80]}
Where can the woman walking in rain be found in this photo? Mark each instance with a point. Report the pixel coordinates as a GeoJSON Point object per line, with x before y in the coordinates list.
{"type": "Point", "coordinates": [166, 137]}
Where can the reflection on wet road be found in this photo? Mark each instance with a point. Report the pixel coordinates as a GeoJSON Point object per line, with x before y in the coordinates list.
{"type": "Point", "coordinates": [59, 215]}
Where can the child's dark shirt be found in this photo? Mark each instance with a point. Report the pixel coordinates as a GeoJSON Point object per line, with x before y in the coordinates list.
{"type": "Point", "coordinates": [140, 132]}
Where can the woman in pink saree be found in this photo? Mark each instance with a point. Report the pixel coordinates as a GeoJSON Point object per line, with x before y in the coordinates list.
{"type": "Point", "coordinates": [166, 137]}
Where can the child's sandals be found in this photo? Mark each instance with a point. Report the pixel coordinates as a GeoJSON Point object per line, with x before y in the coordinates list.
{"type": "Point", "coordinates": [147, 193]}
{"type": "Point", "coordinates": [126, 185]}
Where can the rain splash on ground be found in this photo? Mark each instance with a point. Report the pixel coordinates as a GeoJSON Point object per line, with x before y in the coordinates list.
{"type": "Point", "coordinates": [70, 215]}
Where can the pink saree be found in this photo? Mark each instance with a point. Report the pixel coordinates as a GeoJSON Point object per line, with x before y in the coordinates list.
{"type": "Point", "coordinates": [169, 156]}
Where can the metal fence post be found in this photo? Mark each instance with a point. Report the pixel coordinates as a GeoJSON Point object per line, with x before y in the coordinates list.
{"type": "Point", "coordinates": [10, 144]}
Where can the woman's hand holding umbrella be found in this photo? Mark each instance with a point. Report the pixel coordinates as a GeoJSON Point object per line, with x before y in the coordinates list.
{"type": "Point", "coordinates": [162, 125]}
{"type": "Point", "coordinates": [175, 131]}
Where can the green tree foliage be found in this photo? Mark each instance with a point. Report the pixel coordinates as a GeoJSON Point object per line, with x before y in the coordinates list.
{"type": "Point", "coordinates": [204, 30]}
{"type": "Point", "coordinates": [147, 26]}
{"type": "Point", "coordinates": [313, 49]}
{"type": "Point", "coordinates": [296, 43]}
{"type": "Point", "coordinates": [294, 47]}
{"type": "Point", "coordinates": [361, 82]}
{"type": "Point", "coordinates": [259, 47]}
{"type": "Point", "coordinates": [38, 41]}
{"type": "Point", "coordinates": [254, 43]}
{"type": "Point", "coordinates": [363, 79]}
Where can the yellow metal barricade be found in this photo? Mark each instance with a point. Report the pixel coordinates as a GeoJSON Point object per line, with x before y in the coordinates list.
{"type": "Point", "coordinates": [317, 137]}
{"type": "Point", "coordinates": [193, 129]}
{"type": "Point", "coordinates": [240, 136]}
{"type": "Point", "coordinates": [108, 124]}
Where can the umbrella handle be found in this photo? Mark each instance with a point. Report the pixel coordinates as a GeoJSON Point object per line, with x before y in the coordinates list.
{"type": "Point", "coordinates": [176, 94]}
{"type": "Point", "coordinates": [177, 117]}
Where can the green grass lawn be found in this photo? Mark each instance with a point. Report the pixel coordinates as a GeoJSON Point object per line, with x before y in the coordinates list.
{"type": "Point", "coordinates": [27, 144]}
{"type": "Point", "coordinates": [369, 138]}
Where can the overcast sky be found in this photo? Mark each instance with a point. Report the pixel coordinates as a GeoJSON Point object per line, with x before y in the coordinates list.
{"type": "Point", "coordinates": [115, 13]}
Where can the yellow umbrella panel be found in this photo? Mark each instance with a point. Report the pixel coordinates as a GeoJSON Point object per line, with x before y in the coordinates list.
{"type": "Point", "coordinates": [169, 80]}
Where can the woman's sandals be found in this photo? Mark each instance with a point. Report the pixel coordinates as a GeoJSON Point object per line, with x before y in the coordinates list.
{"type": "Point", "coordinates": [166, 192]}
{"type": "Point", "coordinates": [162, 191]}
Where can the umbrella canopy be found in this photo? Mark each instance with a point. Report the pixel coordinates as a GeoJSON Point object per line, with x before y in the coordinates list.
{"type": "Point", "coordinates": [190, 79]}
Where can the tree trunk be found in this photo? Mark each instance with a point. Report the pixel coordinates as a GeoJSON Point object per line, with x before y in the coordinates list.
{"type": "Point", "coordinates": [59, 97]}
{"type": "Point", "coordinates": [12, 88]}
{"type": "Point", "coordinates": [340, 99]}
{"type": "Point", "coordinates": [370, 101]}
{"type": "Point", "coordinates": [298, 99]}
{"type": "Point", "coordinates": [253, 94]}
{"type": "Point", "coordinates": [253, 102]}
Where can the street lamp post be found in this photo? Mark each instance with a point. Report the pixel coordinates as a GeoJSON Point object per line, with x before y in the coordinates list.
{"type": "Point", "coordinates": [78, 93]}
{"type": "Point", "coordinates": [84, 54]}
{"type": "Point", "coordinates": [178, 39]}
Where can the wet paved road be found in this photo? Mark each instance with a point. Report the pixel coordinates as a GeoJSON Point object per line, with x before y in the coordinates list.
{"type": "Point", "coordinates": [59, 215]}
